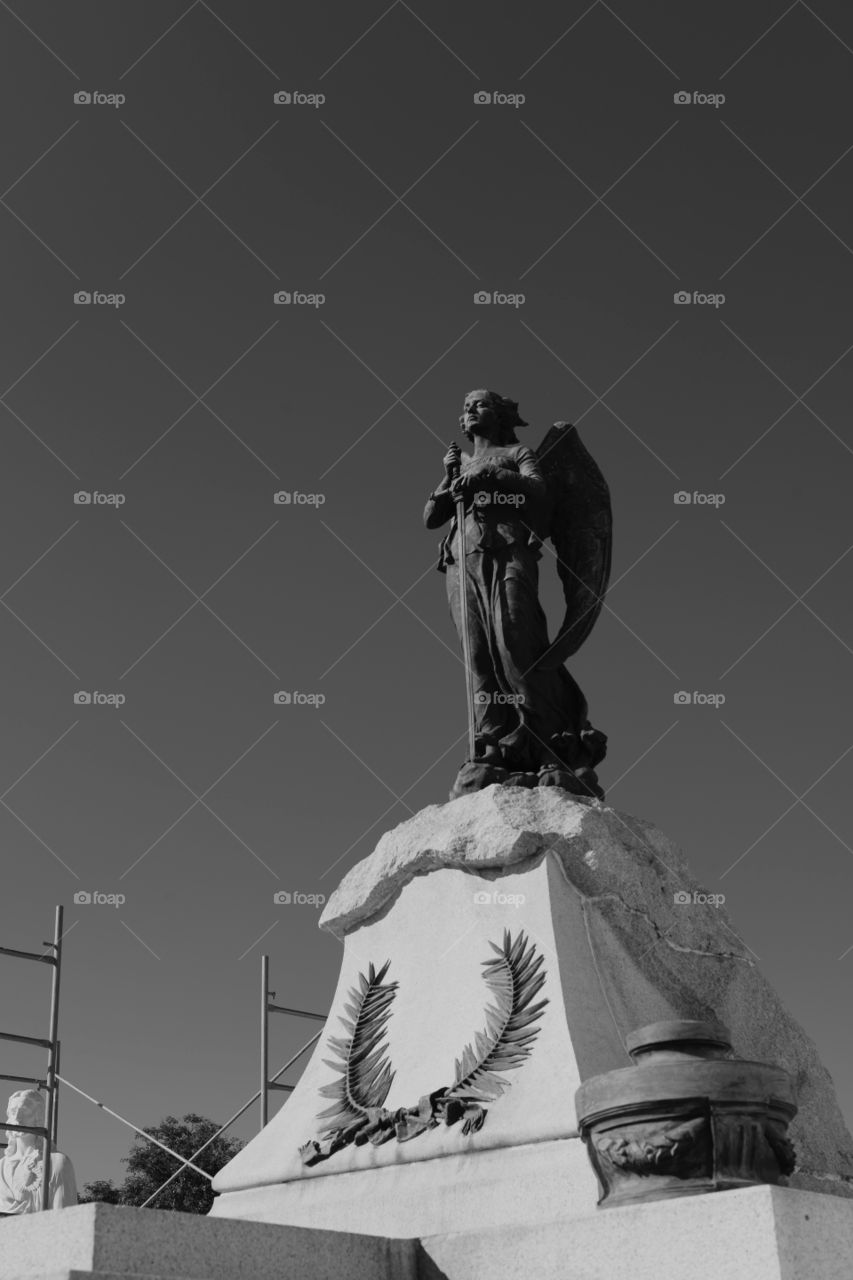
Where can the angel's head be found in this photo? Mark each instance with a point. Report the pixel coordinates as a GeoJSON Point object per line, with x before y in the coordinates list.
{"type": "Point", "coordinates": [487, 413]}
{"type": "Point", "coordinates": [26, 1106]}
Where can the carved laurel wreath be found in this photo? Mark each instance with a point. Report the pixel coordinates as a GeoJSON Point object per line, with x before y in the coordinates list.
{"type": "Point", "coordinates": [365, 1074]}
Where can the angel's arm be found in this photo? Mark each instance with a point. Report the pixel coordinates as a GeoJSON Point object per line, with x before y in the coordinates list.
{"type": "Point", "coordinates": [440, 506]}
{"type": "Point", "coordinates": [528, 479]}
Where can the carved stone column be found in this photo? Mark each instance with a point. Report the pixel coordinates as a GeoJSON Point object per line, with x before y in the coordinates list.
{"type": "Point", "coordinates": [687, 1118]}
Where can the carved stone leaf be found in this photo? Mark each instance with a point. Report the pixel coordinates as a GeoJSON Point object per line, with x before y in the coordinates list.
{"type": "Point", "coordinates": [514, 979]}
{"type": "Point", "coordinates": [361, 1058]}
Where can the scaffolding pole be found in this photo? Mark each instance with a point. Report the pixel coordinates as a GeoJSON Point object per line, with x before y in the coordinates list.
{"type": "Point", "coordinates": [52, 1064]}
{"type": "Point", "coordinates": [268, 1007]}
{"type": "Point", "coordinates": [265, 1064]}
{"type": "Point", "coordinates": [47, 1131]}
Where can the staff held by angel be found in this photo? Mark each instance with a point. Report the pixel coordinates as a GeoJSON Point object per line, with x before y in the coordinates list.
{"type": "Point", "coordinates": [528, 719]}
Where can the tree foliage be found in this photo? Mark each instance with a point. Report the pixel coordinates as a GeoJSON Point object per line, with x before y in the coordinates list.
{"type": "Point", "coordinates": [148, 1167]}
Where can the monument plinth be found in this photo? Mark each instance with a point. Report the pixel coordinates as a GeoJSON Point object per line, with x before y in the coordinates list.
{"type": "Point", "coordinates": [498, 951]}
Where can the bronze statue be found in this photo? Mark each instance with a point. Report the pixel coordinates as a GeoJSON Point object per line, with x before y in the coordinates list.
{"type": "Point", "coordinates": [528, 722]}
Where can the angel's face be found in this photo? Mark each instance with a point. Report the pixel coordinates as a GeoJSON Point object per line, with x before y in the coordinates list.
{"type": "Point", "coordinates": [23, 1110]}
{"type": "Point", "coordinates": [478, 414]}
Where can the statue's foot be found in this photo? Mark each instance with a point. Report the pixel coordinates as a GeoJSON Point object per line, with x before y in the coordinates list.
{"type": "Point", "coordinates": [522, 780]}
{"type": "Point", "coordinates": [474, 776]}
{"type": "Point", "coordinates": [578, 782]}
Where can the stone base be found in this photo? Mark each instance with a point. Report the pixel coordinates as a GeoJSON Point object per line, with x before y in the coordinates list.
{"type": "Point", "coordinates": [761, 1233]}
{"type": "Point", "coordinates": [539, 1182]}
{"type": "Point", "coordinates": [624, 937]}
{"type": "Point", "coordinates": [106, 1242]}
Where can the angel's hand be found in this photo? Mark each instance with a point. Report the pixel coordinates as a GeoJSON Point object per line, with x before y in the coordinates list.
{"type": "Point", "coordinates": [452, 460]}
{"type": "Point", "coordinates": [462, 487]}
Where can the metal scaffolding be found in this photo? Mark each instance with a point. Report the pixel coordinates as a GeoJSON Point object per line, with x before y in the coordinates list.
{"type": "Point", "coordinates": [48, 1131]}
{"type": "Point", "coordinates": [267, 1007]}
{"type": "Point", "coordinates": [267, 1082]}
{"type": "Point", "coordinates": [50, 1083]}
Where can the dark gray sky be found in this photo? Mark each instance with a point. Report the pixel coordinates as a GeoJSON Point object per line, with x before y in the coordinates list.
{"type": "Point", "coordinates": [197, 399]}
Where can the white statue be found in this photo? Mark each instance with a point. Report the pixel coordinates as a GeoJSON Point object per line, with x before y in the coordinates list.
{"type": "Point", "coordinates": [21, 1167]}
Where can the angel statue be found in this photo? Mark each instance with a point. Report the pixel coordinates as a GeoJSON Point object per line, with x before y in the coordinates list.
{"type": "Point", "coordinates": [22, 1167]}
{"type": "Point", "coordinates": [527, 717]}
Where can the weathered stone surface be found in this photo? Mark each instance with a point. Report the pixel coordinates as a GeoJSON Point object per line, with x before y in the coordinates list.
{"type": "Point", "coordinates": [655, 957]}
{"type": "Point", "coordinates": [760, 1233]}
{"type": "Point", "coordinates": [589, 895]}
{"type": "Point", "coordinates": [105, 1241]}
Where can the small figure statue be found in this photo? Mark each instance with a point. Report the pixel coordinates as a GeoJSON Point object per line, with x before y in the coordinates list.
{"type": "Point", "coordinates": [22, 1166]}
{"type": "Point", "coordinates": [528, 722]}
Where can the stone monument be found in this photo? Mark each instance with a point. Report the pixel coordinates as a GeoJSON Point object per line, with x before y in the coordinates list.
{"type": "Point", "coordinates": [505, 955]}
{"type": "Point", "coordinates": [502, 949]}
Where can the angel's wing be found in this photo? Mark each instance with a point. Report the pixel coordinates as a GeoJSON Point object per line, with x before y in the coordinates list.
{"type": "Point", "coordinates": [579, 523]}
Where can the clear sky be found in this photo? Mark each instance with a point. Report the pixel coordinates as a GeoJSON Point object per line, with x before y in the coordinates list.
{"type": "Point", "coordinates": [197, 398]}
